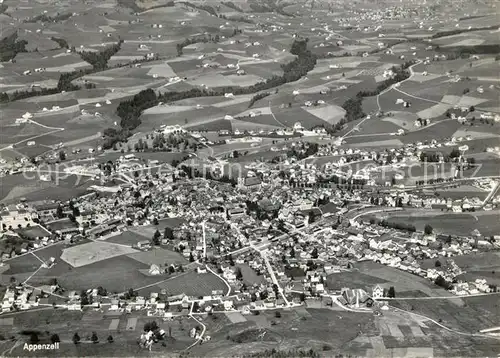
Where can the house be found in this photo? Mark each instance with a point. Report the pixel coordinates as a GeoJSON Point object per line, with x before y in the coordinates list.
{"type": "Point", "coordinates": [377, 292]}
{"type": "Point", "coordinates": [46, 209]}
{"type": "Point", "coordinates": [154, 270]}
{"type": "Point", "coordinates": [144, 245]}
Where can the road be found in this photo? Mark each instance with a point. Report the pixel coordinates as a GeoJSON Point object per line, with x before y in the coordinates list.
{"type": "Point", "coordinates": [381, 93]}
{"type": "Point", "coordinates": [491, 195]}
{"type": "Point", "coordinates": [272, 114]}
{"type": "Point", "coordinates": [440, 297]}
{"type": "Point", "coordinates": [273, 276]}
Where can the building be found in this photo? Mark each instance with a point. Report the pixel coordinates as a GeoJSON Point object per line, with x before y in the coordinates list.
{"type": "Point", "coordinates": [377, 292]}
{"type": "Point", "coordinates": [250, 183]}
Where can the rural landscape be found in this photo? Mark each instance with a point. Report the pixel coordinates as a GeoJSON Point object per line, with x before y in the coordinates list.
{"type": "Point", "coordinates": [249, 178]}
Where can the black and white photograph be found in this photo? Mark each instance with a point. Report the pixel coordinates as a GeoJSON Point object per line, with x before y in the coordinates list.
{"type": "Point", "coordinates": [250, 178]}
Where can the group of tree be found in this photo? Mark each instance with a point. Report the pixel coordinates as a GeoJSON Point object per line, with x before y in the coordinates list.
{"type": "Point", "coordinates": [436, 157]}
{"type": "Point", "coordinates": [257, 97]}
{"type": "Point", "coordinates": [393, 225]}
{"type": "Point", "coordinates": [433, 181]}
{"type": "Point", "coordinates": [46, 18]}
{"type": "Point", "coordinates": [202, 7]}
{"type": "Point", "coordinates": [232, 5]}
{"type": "Point", "coordinates": [354, 106]}
{"type": "Point", "coordinates": [463, 30]}
{"type": "Point", "coordinates": [296, 353]}
{"type": "Point", "coordinates": [310, 149]}
{"type": "Point", "coordinates": [99, 60]}
{"type": "Point", "coordinates": [61, 42]}
{"type": "Point", "coordinates": [10, 47]}
{"type": "Point", "coordinates": [198, 39]}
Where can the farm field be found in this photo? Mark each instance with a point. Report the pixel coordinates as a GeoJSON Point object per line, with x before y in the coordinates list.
{"type": "Point", "coordinates": [66, 323]}
{"type": "Point", "coordinates": [93, 252]}
{"type": "Point", "coordinates": [190, 284]}
{"type": "Point", "coordinates": [117, 274]}
{"type": "Point", "coordinates": [158, 256]}
{"type": "Point", "coordinates": [454, 224]}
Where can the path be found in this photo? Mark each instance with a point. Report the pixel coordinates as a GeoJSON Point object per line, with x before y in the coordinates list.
{"type": "Point", "coordinates": [272, 114]}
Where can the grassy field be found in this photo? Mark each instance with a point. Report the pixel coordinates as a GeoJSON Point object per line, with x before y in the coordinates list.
{"type": "Point", "coordinates": [469, 318]}
{"type": "Point", "coordinates": [191, 284]}
{"type": "Point", "coordinates": [455, 224]}
{"type": "Point", "coordinates": [93, 252]}
{"type": "Point", "coordinates": [66, 323]}
{"type": "Point", "coordinates": [295, 329]}
{"type": "Point", "coordinates": [116, 274]}
{"type": "Point", "coordinates": [158, 256]}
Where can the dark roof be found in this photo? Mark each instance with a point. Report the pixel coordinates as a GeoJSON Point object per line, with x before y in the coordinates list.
{"type": "Point", "coordinates": [252, 181]}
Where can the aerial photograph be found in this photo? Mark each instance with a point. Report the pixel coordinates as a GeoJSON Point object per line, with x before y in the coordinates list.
{"type": "Point", "coordinates": [250, 178]}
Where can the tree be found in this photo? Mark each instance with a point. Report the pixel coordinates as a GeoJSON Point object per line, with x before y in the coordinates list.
{"type": "Point", "coordinates": [438, 263]}
{"type": "Point", "coordinates": [110, 339]}
{"type": "Point", "coordinates": [62, 156]}
{"type": "Point", "coordinates": [156, 237]}
{"type": "Point", "coordinates": [277, 314]}
{"type": "Point", "coordinates": [236, 154]}
{"type": "Point", "coordinates": [34, 338]}
{"type": "Point", "coordinates": [196, 306]}
{"type": "Point", "coordinates": [55, 338]}
{"type": "Point", "coordinates": [392, 292]}
{"type": "Point", "coordinates": [131, 292]}
{"type": "Point", "coordinates": [150, 326]}
{"type": "Point", "coordinates": [102, 291]}
{"type": "Point", "coordinates": [191, 257]}
{"type": "Point", "coordinates": [94, 338]}
{"type": "Point", "coordinates": [239, 275]}
{"type": "Point", "coordinates": [168, 233]}
{"type": "Point", "coordinates": [310, 218]}
{"type": "Point", "coordinates": [76, 338]}
{"type": "Point", "coordinates": [59, 212]}
{"type": "Point", "coordinates": [440, 281]}
{"type": "Point", "coordinates": [428, 229]}
{"type": "Point", "coordinates": [314, 253]}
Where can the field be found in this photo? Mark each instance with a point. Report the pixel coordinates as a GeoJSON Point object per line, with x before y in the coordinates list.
{"type": "Point", "coordinates": [93, 252]}
{"type": "Point", "coordinates": [158, 256]}
{"type": "Point", "coordinates": [66, 323]}
{"type": "Point", "coordinates": [313, 328]}
{"type": "Point", "coordinates": [453, 224]}
{"type": "Point", "coordinates": [191, 284]}
{"type": "Point", "coordinates": [367, 275]}
{"type": "Point", "coordinates": [116, 274]}
{"type": "Point", "coordinates": [34, 232]}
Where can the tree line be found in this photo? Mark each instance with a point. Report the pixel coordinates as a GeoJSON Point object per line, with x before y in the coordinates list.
{"type": "Point", "coordinates": [354, 106]}
{"type": "Point", "coordinates": [194, 40]}
{"type": "Point", "coordinates": [232, 5]}
{"type": "Point", "coordinates": [10, 47]}
{"type": "Point", "coordinates": [99, 60]}
{"type": "Point", "coordinates": [46, 18]}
